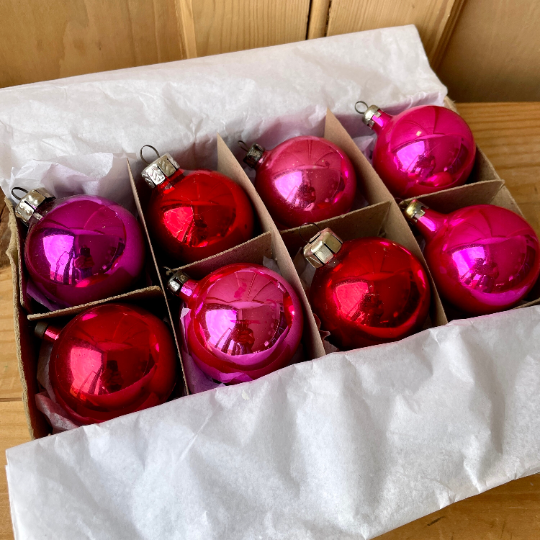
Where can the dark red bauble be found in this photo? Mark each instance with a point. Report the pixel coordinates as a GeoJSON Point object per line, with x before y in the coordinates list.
{"type": "Point", "coordinates": [245, 321]}
{"type": "Point", "coordinates": [196, 214]}
{"type": "Point", "coordinates": [371, 291]}
{"type": "Point", "coordinates": [421, 150]}
{"type": "Point", "coordinates": [483, 258]}
{"type": "Point", "coordinates": [111, 360]}
{"type": "Point", "coordinates": [303, 180]}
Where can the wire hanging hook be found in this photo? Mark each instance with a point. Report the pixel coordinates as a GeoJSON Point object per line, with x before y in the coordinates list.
{"type": "Point", "coordinates": [363, 103]}
{"type": "Point", "coordinates": [299, 231]}
{"type": "Point", "coordinates": [25, 191]}
{"type": "Point", "coordinates": [148, 146]}
{"type": "Point", "coordinates": [243, 146]}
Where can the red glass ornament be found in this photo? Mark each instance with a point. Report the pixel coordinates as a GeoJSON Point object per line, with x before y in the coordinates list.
{"type": "Point", "coordinates": [483, 258]}
{"type": "Point", "coordinates": [111, 360]}
{"type": "Point", "coordinates": [80, 249]}
{"type": "Point", "coordinates": [195, 214]}
{"type": "Point", "coordinates": [366, 291]}
{"type": "Point", "coordinates": [303, 180]}
{"type": "Point", "coordinates": [245, 321]}
{"type": "Point", "coordinates": [421, 150]}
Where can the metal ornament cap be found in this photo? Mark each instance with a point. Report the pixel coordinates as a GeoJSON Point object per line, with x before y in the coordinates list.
{"type": "Point", "coordinates": [414, 210]}
{"type": "Point", "coordinates": [374, 291]}
{"type": "Point", "coordinates": [112, 360]}
{"type": "Point", "coordinates": [244, 321]}
{"type": "Point", "coordinates": [159, 170]}
{"type": "Point", "coordinates": [29, 204]}
{"type": "Point", "coordinates": [322, 248]}
{"type": "Point", "coordinates": [254, 155]}
{"type": "Point", "coordinates": [371, 112]}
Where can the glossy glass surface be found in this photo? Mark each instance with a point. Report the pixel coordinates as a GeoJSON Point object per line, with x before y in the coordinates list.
{"type": "Point", "coordinates": [304, 180]}
{"type": "Point", "coordinates": [245, 321]}
{"type": "Point", "coordinates": [423, 150]}
{"type": "Point", "coordinates": [198, 214]}
{"type": "Point", "coordinates": [373, 291]}
{"type": "Point", "coordinates": [84, 249]}
{"type": "Point", "coordinates": [112, 360]}
{"type": "Point", "coordinates": [483, 258]}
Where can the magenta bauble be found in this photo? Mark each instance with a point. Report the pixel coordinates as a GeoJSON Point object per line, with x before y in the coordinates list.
{"type": "Point", "coordinates": [483, 258]}
{"type": "Point", "coordinates": [421, 150]}
{"type": "Point", "coordinates": [245, 321]}
{"type": "Point", "coordinates": [366, 291]}
{"type": "Point", "coordinates": [303, 180]}
{"type": "Point", "coordinates": [80, 249]}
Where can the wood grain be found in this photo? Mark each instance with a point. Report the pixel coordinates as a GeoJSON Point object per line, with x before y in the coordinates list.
{"type": "Point", "coordinates": [494, 52]}
{"type": "Point", "coordinates": [233, 25]}
{"type": "Point", "coordinates": [430, 16]}
{"type": "Point", "coordinates": [510, 135]}
{"type": "Point", "coordinates": [48, 40]}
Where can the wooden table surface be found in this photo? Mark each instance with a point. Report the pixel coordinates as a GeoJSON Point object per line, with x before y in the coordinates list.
{"type": "Point", "coordinates": [509, 133]}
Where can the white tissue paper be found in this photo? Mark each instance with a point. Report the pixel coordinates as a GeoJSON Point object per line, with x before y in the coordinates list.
{"type": "Point", "coordinates": [347, 446]}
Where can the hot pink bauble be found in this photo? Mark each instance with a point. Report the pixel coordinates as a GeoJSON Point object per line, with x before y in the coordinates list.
{"type": "Point", "coordinates": [245, 321]}
{"type": "Point", "coordinates": [303, 180]}
{"type": "Point", "coordinates": [111, 360]}
{"type": "Point", "coordinates": [82, 248]}
{"type": "Point", "coordinates": [421, 150]}
{"type": "Point", "coordinates": [483, 258]}
{"type": "Point", "coordinates": [370, 291]}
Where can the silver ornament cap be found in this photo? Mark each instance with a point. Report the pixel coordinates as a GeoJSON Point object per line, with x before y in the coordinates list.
{"type": "Point", "coordinates": [254, 155]}
{"type": "Point", "coordinates": [159, 170]}
{"type": "Point", "coordinates": [322, 248]}
{"type": "Point", "coordinates": [28, 205]}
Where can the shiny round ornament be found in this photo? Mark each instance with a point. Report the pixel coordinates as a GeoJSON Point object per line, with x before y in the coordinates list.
{"type": "Point", "coordinates": [303, 180]}
{"type": "Point", "coordinates": [483, 258]}
{"type": "Point", "coordinates": [245, 321]}
{"type": "Point", "coordinates": [366, 291]}
{"type": "Point", "coordinates": [110, 360]}
{"type": "Point", "coordinates": [195, 214]}
{"type": "Point", "coordinates": [421, 150]}
{"type": "Point", "coordinates": [80, 249]}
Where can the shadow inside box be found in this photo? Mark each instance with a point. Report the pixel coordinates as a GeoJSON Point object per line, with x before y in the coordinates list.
{"type": "Point", "coordinates": [492, 192]}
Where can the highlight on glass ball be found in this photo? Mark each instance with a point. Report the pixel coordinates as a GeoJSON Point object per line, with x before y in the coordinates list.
{"type": "Point", "coordinates": [303, 180]}
{"type": "Point", "coordinates": [110, 360]}
{"type": "Point", "coordinates": [244, 321]}
{"type": "Point", "coordinates": [421, 150]}
{"type": "Point", "coordinates": [81, 248]}
{"type": "Point", "coordinates": [366, 291]}
{"type": "Point", "coordinates": [483, 258]}
{"type": "Point", "coordinates": [195, 214]}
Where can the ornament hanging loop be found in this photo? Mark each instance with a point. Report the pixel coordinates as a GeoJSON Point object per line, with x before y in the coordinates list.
{"type": "Point", "coordinates": [141, 153]}
{"type": "Point", "coordinates": [300, 230]}
{"type": "Point", "coordinates": [363, 103]}
{"type": "Point", "coordinates": [243, 146]}
{"type": "Point", "coordinates": [25, 191]}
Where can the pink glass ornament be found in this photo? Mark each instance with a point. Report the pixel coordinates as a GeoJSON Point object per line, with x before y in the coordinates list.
{"type": "Point", "coordinates": [110, 360]}
{"type": "Point", "coordinates": [483, 258]}
{"type": "Point", "coordinates": [195, 214]}
{"type": "Point", "coordinates": [245, 321]}
{"type": "Point", "coordinates": [366, 291]}
{"type": "Point", "coordinates": [421, 150]}
{"type": "Point", "coordinates": [80, 249]}
{"type": "Point", "coordinates": [303, 180]}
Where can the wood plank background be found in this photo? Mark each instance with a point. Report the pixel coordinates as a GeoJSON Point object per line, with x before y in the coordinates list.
{"type": "Point", "coordinates": [483, 50]}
